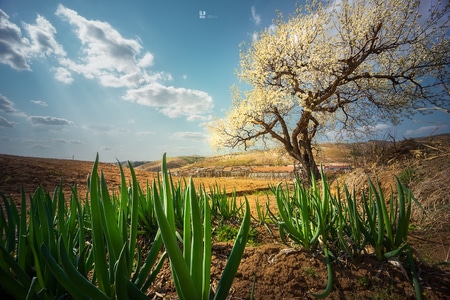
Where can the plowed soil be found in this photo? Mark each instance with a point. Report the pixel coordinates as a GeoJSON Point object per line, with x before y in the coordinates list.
{"type": "Point", "coordinates": [275, 270]}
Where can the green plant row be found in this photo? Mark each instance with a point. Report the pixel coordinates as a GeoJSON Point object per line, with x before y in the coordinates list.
{"type": "Point", "coordinates": [191, 266]}
{"type": "Point", "coordinates": [314, 218]}
{"type": "Point", "coordinates": [90, 250]}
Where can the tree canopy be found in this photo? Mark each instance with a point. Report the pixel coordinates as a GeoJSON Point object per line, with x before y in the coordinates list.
{"type": "Point", "coordinates": [338, 65]}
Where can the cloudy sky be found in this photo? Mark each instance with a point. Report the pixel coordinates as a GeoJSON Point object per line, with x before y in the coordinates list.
{"type": "Point", "coordinates": [127, 79]}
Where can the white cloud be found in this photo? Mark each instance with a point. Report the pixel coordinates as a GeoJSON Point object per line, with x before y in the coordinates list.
{"type": "Point", "coordinates": [107, 55]}
{"type": "Point", "coordinates": [256, 18]}
{"type": "Point", "coordinates": [378, 128]}
{"type": "Point", "coordinates": [42, 36]}
{"type": "Point", "coordinates": [6, 124]}
{"type": "Point", "coordinates": [426, 130]}
{"type": "Point", "coordinates": [16, 50]}
{"type": "Point", "coordinates": [13, 47]}
{"type": "Point", "coordinates": [104, 128]}
{"type": "Point", "coordinates": [48, 121]}
{"type": "Point", "coordinates": [437, 108]}
{"type": "Point", "coordinates": [197, 117]}
{"type": "Point", "coordinates": [39, 102]}
{"type": "Point", "coordinates": [146, 61]}
{"type": "Point", "coordinates": [145, 133]}
{"type": "Point", "coordinates": [6, 105]}
{"type": "Point", "coordinates": [40, 146]}
{"type": "Point", "coordinates": [63, 75]}
{"type": "Point", "coordinates": [172, 102]}
{"type": "Point", "coordinates": [66, 141]}
{"type": "Point", "coordinates": [189, 135]}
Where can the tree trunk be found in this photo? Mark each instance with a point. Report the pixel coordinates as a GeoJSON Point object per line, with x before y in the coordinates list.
{"type": "Point", "coordinates": [308, 163]}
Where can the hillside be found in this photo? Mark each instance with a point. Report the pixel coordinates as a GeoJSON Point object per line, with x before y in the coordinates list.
{"type": "Point", "coordinates": [358, 154]}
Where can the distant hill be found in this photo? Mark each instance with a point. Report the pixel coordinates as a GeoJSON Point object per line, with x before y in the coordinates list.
{"type": "Point", "coordinates": [358, 153]}
{"type": "Point", "coordinates": [250, 158]}
{"type": "Point", "coordinates": [172, 163]}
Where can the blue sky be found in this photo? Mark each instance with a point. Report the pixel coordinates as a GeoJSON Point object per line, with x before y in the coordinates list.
{"type": "Point", "coordinates": [128, 79]}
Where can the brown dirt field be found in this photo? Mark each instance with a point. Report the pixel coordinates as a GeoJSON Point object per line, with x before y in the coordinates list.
{"type": "Point", "coordinates": [282, 272]}
{"type": "Point", "coordinates": [30, 172]}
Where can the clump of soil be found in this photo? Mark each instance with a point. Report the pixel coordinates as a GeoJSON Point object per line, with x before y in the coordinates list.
{"type": "Point", "coordinates": [275, 271]}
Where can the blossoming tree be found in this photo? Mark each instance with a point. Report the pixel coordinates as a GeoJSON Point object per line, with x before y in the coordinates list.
{"type": "Point", "coordinates": [339, 65]}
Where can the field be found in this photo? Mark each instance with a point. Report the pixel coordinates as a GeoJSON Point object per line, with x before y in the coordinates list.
{"type": "Point", "coordinates": [276, 270]}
